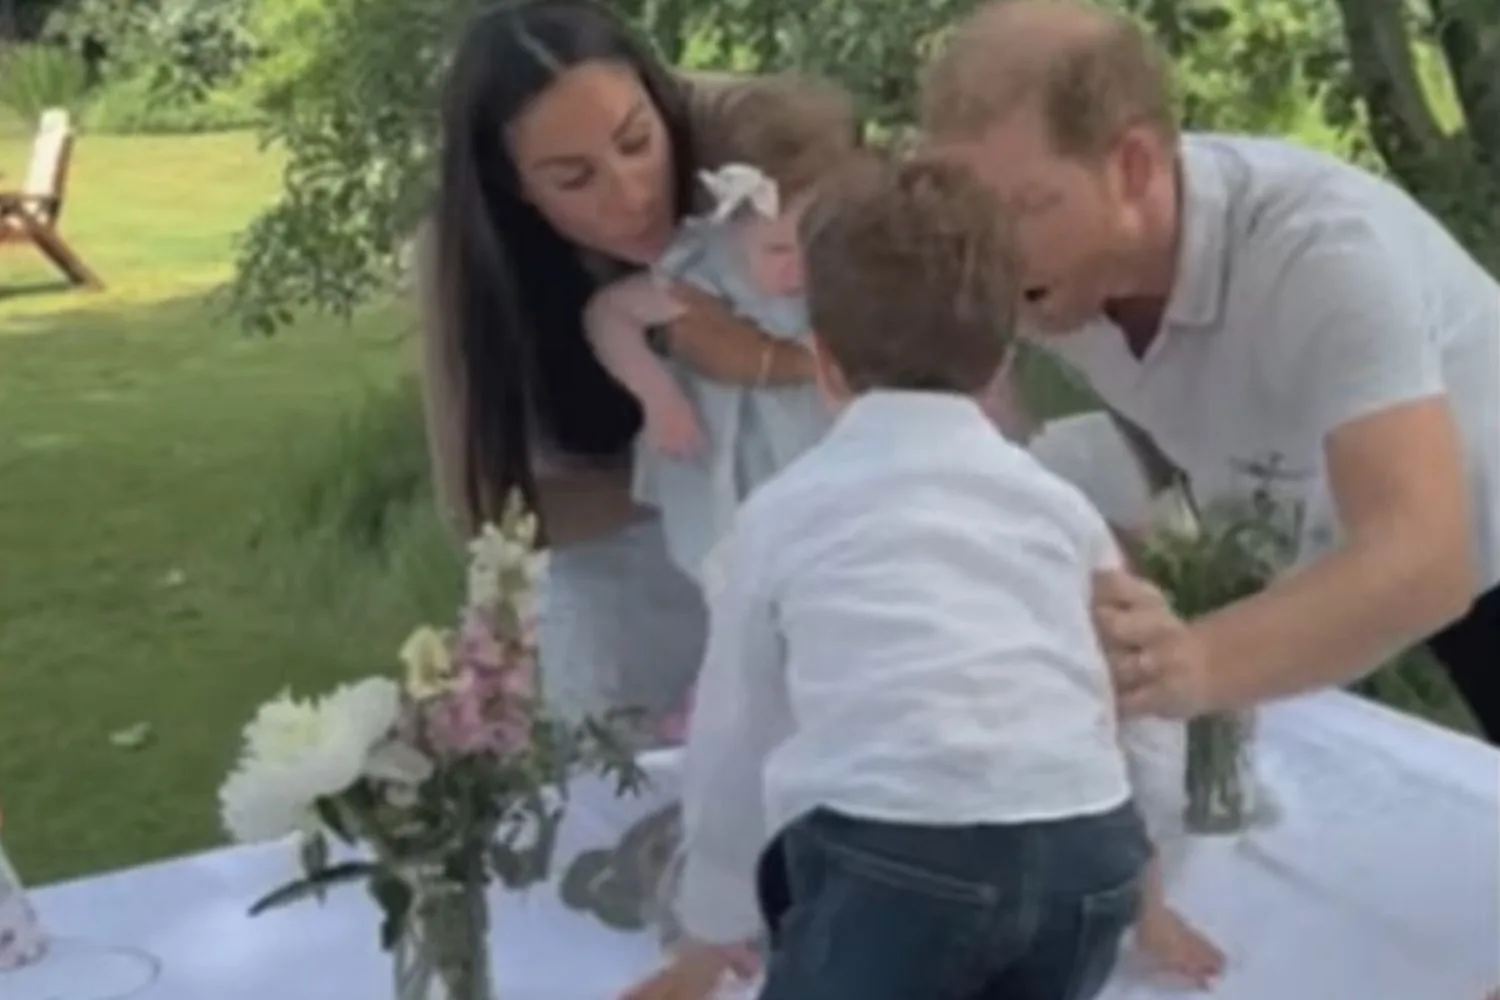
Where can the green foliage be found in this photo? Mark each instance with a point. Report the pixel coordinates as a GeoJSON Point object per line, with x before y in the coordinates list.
{"type": "Point", "coordinates": [133, 106]}
{"type": "Point", "coordinates": [34, 78]}
{"type": "Point", "coordinates": [366, 476]}
{"type": "Point", "coordinates": [165, 65]}
{"type": "Point", "coordinates": [184, 48]}
{"type": "Point", "coordinates": [876, 50]}
{"type": "Point", "coordinates": [356, 111]}
{"type": "Point", "coordinates": [349, 89]}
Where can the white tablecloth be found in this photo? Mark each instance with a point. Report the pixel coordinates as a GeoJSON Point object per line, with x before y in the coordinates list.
{"type": "Point", "coordinates": [1382, 882]}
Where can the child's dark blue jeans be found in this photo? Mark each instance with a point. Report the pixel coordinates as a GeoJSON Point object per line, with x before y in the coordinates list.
{"type": "Point", "coordinates": [862, 910]}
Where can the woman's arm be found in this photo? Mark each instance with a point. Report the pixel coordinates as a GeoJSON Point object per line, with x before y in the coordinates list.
{"type": "Point", "coordinates": [719, 346]}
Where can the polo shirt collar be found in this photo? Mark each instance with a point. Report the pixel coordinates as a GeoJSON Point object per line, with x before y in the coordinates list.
{"type": "Point", "coordinates": [1197, 298]}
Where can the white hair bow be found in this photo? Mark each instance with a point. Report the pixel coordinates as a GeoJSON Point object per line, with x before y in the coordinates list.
{"type": "Point", "coordinates": [735, 185]}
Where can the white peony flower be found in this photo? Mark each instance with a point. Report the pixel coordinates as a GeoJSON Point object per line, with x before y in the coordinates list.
{"type": "Point", "coordinates": [296, 752]}
{"type": "Point", "coordinates": [1172, 512]}
{"type": "Point", "coordinates": [258, 802]}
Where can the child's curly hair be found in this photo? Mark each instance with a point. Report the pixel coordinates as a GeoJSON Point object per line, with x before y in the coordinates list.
{"type": "Point", "coordinates": [910, 276]}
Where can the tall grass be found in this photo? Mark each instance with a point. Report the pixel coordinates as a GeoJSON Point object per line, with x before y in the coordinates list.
{"type": "Point", "coordinates": [349, 533]}
{"type": "Point", "coordinates": [34, 78]}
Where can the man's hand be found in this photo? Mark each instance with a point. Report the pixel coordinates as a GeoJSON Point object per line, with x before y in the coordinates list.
{"type": "Point", "coordinates": [697, 972]}
{"type": "Point", "coordinates": [1159, 663]}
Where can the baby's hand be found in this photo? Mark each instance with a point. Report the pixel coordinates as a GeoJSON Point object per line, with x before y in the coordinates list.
{"type": "Point", "coordinates": [672, 426]}
{"type": "Point", "coordinates": [1175, 946]}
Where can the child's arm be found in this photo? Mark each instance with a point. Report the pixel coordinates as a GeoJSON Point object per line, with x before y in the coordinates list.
{"type": "Point", "coordinates": [737, 717]}
{"type": "Point", "coordinates": [730, 731]}
{"type": "Point", "coordinates": [615, 322]}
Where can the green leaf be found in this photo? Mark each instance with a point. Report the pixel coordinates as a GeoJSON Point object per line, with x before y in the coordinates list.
{"type": "Point", "coordinates": [525, 867]}
{"type": "Point", "coordinates": [313, 886]}
{"type": "Point", "coordinates": [394, 897]}
{"type": "Point", "coordinates": [314, 854]}
{"type": "Point", "coordinates": [333, 818]}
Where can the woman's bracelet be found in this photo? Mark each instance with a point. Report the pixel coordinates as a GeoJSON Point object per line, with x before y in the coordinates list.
{"type": "Point", "coordinates": [767, 355]}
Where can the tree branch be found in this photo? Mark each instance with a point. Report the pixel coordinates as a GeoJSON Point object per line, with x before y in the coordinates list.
{"type": "Point", "coordinates": [1470, 41]}
{"type": "Point", "coordinates": [1402, 123]}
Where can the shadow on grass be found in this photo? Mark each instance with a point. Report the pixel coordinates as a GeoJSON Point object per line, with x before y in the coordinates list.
{"type": "Point", "coordinates": [30, 289]}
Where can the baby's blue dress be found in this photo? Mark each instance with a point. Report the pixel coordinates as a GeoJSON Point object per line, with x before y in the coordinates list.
{"type": "Point", "coordinates": [751, 433]}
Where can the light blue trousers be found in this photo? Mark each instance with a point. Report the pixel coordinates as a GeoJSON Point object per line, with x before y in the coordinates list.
{"type": "Point", "coordinates": [620, 626]}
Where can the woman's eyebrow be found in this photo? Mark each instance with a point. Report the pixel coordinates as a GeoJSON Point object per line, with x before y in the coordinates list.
{"type": "Point", "coordinates": [631, 117]}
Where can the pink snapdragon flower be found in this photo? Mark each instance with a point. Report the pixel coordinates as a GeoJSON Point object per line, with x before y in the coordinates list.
{"type": "Point", "coordinates": [489, 707]}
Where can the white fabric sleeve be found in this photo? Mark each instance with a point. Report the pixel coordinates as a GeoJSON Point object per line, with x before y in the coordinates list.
{"type": "Point", "coordinates": [724, 822]}
{"type": "Point", "coordinates": [1348, 330]}
{"type": "Point", "coordinates": [1089, 452]}
{"type": "Point", "coordinates": [1155, 750]}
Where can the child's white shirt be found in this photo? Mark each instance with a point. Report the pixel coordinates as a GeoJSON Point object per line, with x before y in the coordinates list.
{"type": "Point", "coordinates": [900, 631]}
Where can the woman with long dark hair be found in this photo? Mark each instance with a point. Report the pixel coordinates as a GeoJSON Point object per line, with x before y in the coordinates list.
{"type": "Point", "coordinates": [568, 159]}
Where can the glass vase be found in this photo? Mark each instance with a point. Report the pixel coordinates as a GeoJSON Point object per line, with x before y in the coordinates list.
{"type": "Point", "coordinates": [1221, 781]}
{"type": "Point", "coordinates": [443, 951]}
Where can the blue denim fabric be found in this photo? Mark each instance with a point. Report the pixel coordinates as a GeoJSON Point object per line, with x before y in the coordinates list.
{"type": "Point", "coordinates": [862, 910]}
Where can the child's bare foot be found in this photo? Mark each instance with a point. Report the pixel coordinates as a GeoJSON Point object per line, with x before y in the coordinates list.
{"type": "Point", "coordinates": [1175, 946]}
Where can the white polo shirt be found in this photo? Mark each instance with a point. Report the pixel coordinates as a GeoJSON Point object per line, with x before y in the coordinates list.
{"type": "Point", "coordinates": [1309, 294]}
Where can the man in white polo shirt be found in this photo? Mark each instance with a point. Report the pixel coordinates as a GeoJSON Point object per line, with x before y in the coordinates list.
{"type": "Point", "coordinates": [1249, 303]}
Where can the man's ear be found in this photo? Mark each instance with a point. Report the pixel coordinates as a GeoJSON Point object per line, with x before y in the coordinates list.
{"type": "Point", "coordinates": [1138, 155]}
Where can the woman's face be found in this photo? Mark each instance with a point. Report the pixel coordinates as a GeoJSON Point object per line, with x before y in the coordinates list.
{"type": "Point", "coordinates": [595, 159]}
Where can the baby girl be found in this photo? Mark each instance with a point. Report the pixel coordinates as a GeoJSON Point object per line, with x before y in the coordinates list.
{"type": "Point", "coordinates": [706, 444]}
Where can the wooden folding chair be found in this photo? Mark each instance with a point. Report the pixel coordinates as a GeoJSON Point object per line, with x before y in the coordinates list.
{"type": "Point", "coordinates": [31, 214]}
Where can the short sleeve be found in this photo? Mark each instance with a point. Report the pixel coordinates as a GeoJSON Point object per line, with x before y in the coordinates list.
{"type": "Point", "coordinates": [1351, 330]}
{"type": "Point", "coordinates": [1088, 451]}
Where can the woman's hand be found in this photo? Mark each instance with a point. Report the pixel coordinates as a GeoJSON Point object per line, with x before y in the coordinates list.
{"type": "Point", "coordinates": [696, 972]}
{"type": "Point", "coordinates": [1159, 662]}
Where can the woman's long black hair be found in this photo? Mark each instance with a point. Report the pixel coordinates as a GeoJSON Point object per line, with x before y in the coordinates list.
{"type": "Point", "coordinates": [510, 290]}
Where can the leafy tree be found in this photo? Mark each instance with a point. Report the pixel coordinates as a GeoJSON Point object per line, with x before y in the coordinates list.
{"type": "Point", "coordinates": [182, 49]}
{"type": "Point", "coordinates": [350, 91]}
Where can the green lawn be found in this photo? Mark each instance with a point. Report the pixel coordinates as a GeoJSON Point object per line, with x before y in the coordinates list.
{"type": "Point", "coordinates": [151, 456]}
{"type": "Point", "coordinates": [191, 519]}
